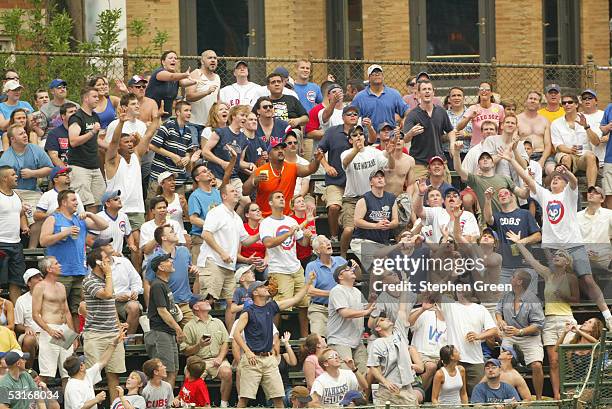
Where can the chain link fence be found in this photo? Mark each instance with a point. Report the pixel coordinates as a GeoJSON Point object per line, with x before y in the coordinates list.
{"type": "Point", "coordinates": [511, 81]}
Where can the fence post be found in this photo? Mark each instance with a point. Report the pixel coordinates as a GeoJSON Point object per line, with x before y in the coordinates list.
{"type": "Point", "coordinates": [493, 76]}
{"type": "Point", "coordinates": [126, 65]}
{"type": "Point", "coordinates": [589, 72]}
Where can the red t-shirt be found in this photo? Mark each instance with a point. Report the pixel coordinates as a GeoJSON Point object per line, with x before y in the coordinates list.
{"type": "Point", "coordinates": [195, 392]}
{"type": "Point", "coordinates": [301, 251]}
{"type": "Point", "coordinates": [283, 181]}
{"type": "Point", "coordinates": [313, 119]}
{"type": "Point", "coordinates": [256, 248]}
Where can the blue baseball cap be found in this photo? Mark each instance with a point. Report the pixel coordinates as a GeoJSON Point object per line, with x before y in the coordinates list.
{"type": "Point", "coordinates": [282, 71]}
{"type": "Point", "coordinates": [111, 194]}
{"type": "Point", "coordinates": [589, 91]}
{"type": "Point", "coordinates": [254, 286]}
{"type": "Point", "coordinates": [57, 82]}
{"type": "Point", "coordinates": [350, 397]}
{"type": "Point", "coordinates": [58, 170]}
{"type": "Point", "coordinates": [491, 232]}
{"type": "Point", "coordinates": [493, 361]}
{"type": "Point", "coordinates": [511, 350]}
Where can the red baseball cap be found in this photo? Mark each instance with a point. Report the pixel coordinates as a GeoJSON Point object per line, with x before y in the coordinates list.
{"type": "Point", "coordinates": [435, 158]}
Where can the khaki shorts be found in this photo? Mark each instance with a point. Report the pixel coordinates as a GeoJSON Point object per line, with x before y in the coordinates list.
{"type": "Point", "coordinates": [347, 216]}
{"type": "Point", "coordinates": [213, 371]}
{"type": "Point", "coordinates": [96, 343]}
{"type": "Point", "coordinates": [136, 220]}
{"type": "Point", "coordinates": [307, 148]}
{"type": "Point", "coordinates": [74, 291]}
{"type": "Point", "coordinates": [318, 315]}
{"type": "Point", "coordinates": [31, 198]}
{"type": "Point", "coordinates": [264, 373]}
{"type": "Point", "coordinates": [405, 397]}
{"type": "Point", "coordinates": [554, 326]}
{"type": "Point", "coordinates": [289, 285]}
{"type": "Point", "coordinates": [51, 357]}
{"type": "Point", "coordinates": [89, 184]}
{"type": "Point", "coordinates": [196, 243]}
{"type": "Point", "coordinates": [122, 308]}
{"type": "Point", "coordinates": [187, 314]}
{"type": "Point", "coordinates": [578, 161]}
{"type": "Point", "coordinates": [216, 280]}
{"type": "Point", "coordinates": [606, 181]}
{"type": "Point", "coordinates": [333, 195]}
{"type": "Point", "coordinates": [531, 347]}
{"type": "Point", "coordinates": [359, 355]}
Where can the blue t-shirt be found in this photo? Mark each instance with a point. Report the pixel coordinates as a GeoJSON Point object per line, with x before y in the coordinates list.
{"type": "Point", "coordinates": [254, 149]}
{"type": "Point", "coordinates": [309, 94]}
{"type": "Point", "coordinates": [278, 131]}
{"type": "Point", "coordinates": [482, 393]}
{"type": "Point", "coordinates": [334, 142]}
{"type": "Point", "coordinates": [258, 332]}
{"type": "Point", "coordinates": [519, 221]}
{"type": "Point", "coordinates": [6, 110]}
{"type": "Point", "coordinates": [200, 203]}
{"type": "Point", "coordinates": [381, 108]}
{"type": "Point", "coordinates": [325, 276]}
{"type": "Point", "coordinates": [69, 252]}
{"type": "Point", "coordinates": [179, 279]}
{"type": "Point", "coordinates": [607, 118]}
{"type": "Point", "coordinates": [227, 138]}
{"type": "Point", "coordinates": [34, 157]}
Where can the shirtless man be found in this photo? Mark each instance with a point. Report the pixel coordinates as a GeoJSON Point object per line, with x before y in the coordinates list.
{"type": "Point", "coordinates": [508, 358]}
{"type": "Point", "coordinates": [50, 311]}
{"type": "Point", "coordinates": [401, 174]}
{"type": "Point", "coordinates": [536, 128]}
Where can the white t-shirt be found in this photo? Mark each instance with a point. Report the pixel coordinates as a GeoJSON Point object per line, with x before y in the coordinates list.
{"type": "Point", "coordinates": [438, 217]}
{"type": "Point", "coordinates": [23, 312]}
{"type": "Point", "coordinates": [283, 258]}
{"type": "Point", "coordinates": [201, 108]}
{"type": "Point", "coordinates": [299, 180]}
{"type": "Point", "coordinates": [559, 217]}
{"type": "Point", "coordinates": [461, 319]}
{"type": "Point", "coordinates": [10, 212]}
{"type": "Point", "coordinates": [334, 120]}
{"type": "Point", "coordinates": [562, 134]}
{"type": "Point", "coordinates": [80, 391]}
{"type": "Point", "coordinates": [594, 120]}
{"type": "Point", "coordinates": [117, 229]}
{"type": "Point", "coordinates": [470, 162]}
{"type": "Point", "coordinates": [358, 171]}
{"type": "Point", "coordinates": [429, 334]}
{"type": "Point", "coordinates": [128, 127]}
{"type": "Point", "coordinates": [147, 231]}
{"type": "Point", "coordinates": [228, 231]}
{"type": "Point", "coordinates": [48, 202]}
{"type": "Point", "coordinates": [332, 390]}
{"type": "Point", "coordinates": [535, 167]}
{"type": "Point", "coordinates": [236, 94]}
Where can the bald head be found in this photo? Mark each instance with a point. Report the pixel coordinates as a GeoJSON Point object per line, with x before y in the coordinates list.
{"type": "Point", "coordinates": [209, 61]}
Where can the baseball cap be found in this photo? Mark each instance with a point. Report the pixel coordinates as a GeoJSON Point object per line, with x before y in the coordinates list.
{"type": "Point", "coordinates": [491, 232]}
{"type": "Point", "coordinates": [254, 286]}
{"type": "Point", "coordinates": [57, 82]}
{"type": "Point", "coordinates": [196, 298]}
{"type": "Point", "coordinates": [157, 260]}
{"type": "Point", "coordinates": [589, 91]}
{"type": "Point", "coordinates": [58, 170]}
{"type": "Point", "coordinates": [111, 194]}
{"type": "Point", "coordinates": [274, 143]}
{"type": "Point", "coordinates": [301, 393]}
{"type": "Point", "coordinates": [374, 67]}
{"type": "Point", "coordinates": [450, 190]}
{"type": "Point", "coordinates": [552, 87]}
{"type": "Point", "coordinates": [350, 108]}
{"type": "Point", "coordinates": [433, 158]}
{"type": "Point", "coordinates": [135, 79]}
{"type": "Point", "coordinates": [282, 71]}
{"type": "Point", "coordinates": [100, 242]}
{"type": "Point", "coordinates": [485, 153]}
{"type": "Point", "coordinates": [29, 273]}
{"type": "Point", "coordinates": [561, 175]}
{"type": "Point", "coordinates": [354, 128]}
{"type": "Point", "coordinates": [494, 362]}
{"type": "Point", "coordinates": [383, 126]}
{"type": "Point", "coordinates": [290, 131]}
{"type": "Point", "coordinates": [420, 74]}
{"type": "Point", "coordinates": [340, 269]}
{"type": "Point", "coordinates": [597, 189]}
{"type": "Point", "coordinates": [350, 397]}
{"type": "Point", "coordinates": [11, 86]}
{"type": "Point", "coordinates": [12, 357]}
{"type": "Point", "coordinates": [511, 350]}
{"type": "Point", "coordinates": [375, 172]}
{"type": "Point", "coordinates": [237, 63]}
{"type": "Point", "coordinates": [163, 176]}
{"type": "Point", "coordinates": [242, 270]}
{"type": "Point", "coordinates": [72, 364]}
{"type": "Point", "coordinates": [333, 87]}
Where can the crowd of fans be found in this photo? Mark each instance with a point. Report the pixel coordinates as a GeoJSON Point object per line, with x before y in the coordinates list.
{"type": "Point", "coordinates": [179, 195]}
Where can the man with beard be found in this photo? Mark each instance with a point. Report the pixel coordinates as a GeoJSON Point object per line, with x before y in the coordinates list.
{"type": "Point", "coordinates": [277, 175]}
{"type": "Point", "coordinates": [206, 91]}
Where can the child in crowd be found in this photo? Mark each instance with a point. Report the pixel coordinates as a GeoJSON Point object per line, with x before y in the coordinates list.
{"type": "Point", "coordinates": [194, 389]}
{"type": "Point", "coordinates": [132, 400]}
{"type": "Point", "coordinates": [244, 277]}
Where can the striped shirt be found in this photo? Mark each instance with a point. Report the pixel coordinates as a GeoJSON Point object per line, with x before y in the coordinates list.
{"type": "Point", "coordinates": [170, 138]}
{"type": "Point", "coordinates": [101, 314]}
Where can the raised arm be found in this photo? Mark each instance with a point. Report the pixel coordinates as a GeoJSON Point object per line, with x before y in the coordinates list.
{"type": "Point", "coordinates": [143, 145]}
{"type": "Point", "coordinates": [529, 258]}
{"type": "Point", "coordinates": [454, 149]}
{"type": "Point", "coordinates": [505, 154]}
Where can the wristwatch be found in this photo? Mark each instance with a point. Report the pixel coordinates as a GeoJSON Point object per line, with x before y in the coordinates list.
{"type": "Point", "coordinates": [520, 333]}
{"type": "Point", "coordinates": [587, 127]}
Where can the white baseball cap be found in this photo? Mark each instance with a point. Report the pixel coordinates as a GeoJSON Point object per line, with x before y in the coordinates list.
{"type": "Point", "coordinates": [163, 176]}
{"type": "Point", "coordinates": [373, 67]}
{"type": "Point", "coordinates": [29, 273]}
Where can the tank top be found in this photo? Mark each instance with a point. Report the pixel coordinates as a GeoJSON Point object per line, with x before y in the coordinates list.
{"type": "Point", "coordinates": [227, 137]}
{"type": "Point", "coordinates": [69, 252]}
{"type": "Point", "coordinates": [377, 209]}
{"type": "Point", "coordinates": [556, 307]}
{"type": "Point", "coordinates": [162, 91]}
{"type": "Point", "coordinates": [3, 319]}
{"type": "Point", "coordinates": [175, 210]}
{"type": "Point", "coordinates": [128, 180]}
{"type": "Point", "coordinates": [450, 393]}
{"type": "Point", "coordinates": [108, 115]}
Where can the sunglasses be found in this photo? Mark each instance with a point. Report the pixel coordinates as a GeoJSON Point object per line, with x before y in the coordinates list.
{"type": "Point", "coordinates": [484, 89]}
{"type": "Point", "coordinates": [291, 143]}
{"type": "Point", "coordinates": [266, 107]}
{"type": "Point", "coordinates": [332, 356]}
{"type": "Point", "coordinates": [61, 87]}
{"type": "Point", "coordinates": [139, 86]}
{"type": "Point", "coordinates": [567, 102]}
{"type": "Point", "coordinates": [11, 79]}
{"type": "Point", "coordinates": [587, 98]}
{"type": "Point", "coordinates": [351, 114]}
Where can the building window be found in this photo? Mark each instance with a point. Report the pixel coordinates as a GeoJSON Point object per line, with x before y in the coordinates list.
{"type": "Point", "coordinates": [344, 29]}
{"type": "Point", "coordinates": [561, 40]}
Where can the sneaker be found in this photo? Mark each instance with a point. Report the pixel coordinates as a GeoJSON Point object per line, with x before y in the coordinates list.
{"type": "Point", "coordinates": [609, 323]}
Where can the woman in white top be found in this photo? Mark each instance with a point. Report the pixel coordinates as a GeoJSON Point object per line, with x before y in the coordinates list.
{"type": "Point", "coordinates": [177, 204]}
{"type": "Point", "coordinates": [449, 385]}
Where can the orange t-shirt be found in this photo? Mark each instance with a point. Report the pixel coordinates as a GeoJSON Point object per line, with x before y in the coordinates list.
{"type": "Point", "coordinates": [284, 182]}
